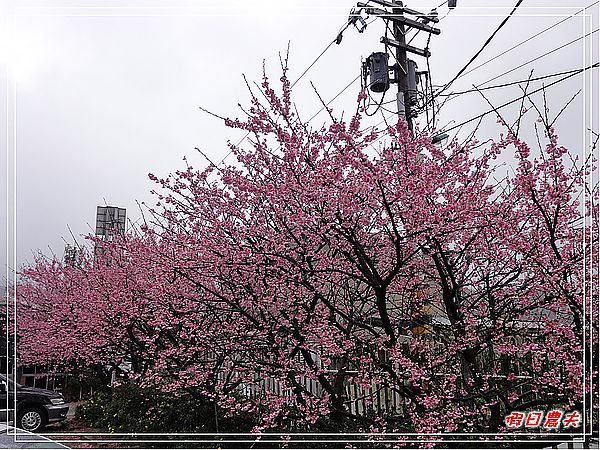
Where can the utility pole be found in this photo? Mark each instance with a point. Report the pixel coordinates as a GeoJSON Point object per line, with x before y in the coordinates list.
{"type": "Point", "coordinates": [404, 70]}
{"type": "Point", "coordinates": [402, 98]}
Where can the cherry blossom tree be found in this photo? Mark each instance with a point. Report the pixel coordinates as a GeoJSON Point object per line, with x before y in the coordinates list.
{"type": "Point", "coordinates": [321, 265]}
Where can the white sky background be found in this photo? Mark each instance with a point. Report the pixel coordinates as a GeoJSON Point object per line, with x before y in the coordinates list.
{"type": "Point", "coordinates": [103, 100]}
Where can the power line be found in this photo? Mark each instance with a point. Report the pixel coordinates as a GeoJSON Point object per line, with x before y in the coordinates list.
{"type": "Point", "coordinates": [325, 50]}
{"type": "Point", "coordinates": [485, 44]}
{"type": "Point", "coordinates": [593, 66]}
{"type": "Point", "coordinates": [524, 41]}
{"type": "Point", "coordinates": [342, 29]}
{"type": "Point", "coordinates": [333, 99]}
{"type": "Point", "coordinates": [430, 90]}
{"type": "Point", "coordinates": [570, 74]}
{"type": "Point", "coordinates": [518, 45]}
{"type": "Point", "coordinates": [452, 95]}
{"type": "Point", "coordinates": [313, 63]}
{"type": "Point", "coordinates": [512, 83]}
{"type": "Point", "coordinates": [539, 57]}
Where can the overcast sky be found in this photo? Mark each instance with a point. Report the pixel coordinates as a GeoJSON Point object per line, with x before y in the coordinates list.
{"type": "Point", "coordinates": [99, 94]}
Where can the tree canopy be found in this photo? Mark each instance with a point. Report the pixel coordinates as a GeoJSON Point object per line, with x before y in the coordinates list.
{"type": "Point", "coordinates": [342, 275]}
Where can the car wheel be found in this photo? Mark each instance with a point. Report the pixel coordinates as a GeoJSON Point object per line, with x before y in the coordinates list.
{"type": "Point", "coordinates": [31, 419]}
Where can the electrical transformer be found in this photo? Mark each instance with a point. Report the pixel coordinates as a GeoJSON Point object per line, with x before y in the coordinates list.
{"type": "Point", "coordinates": [412, 81]}
{"type": "Point", "coordinates": [377, 65]}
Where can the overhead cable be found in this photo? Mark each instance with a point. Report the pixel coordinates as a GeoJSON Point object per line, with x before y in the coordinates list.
{"type": "Point", "coordinates": [325, 50]}
{"type": "Point", "coordinates": [525, 41]}
{"type": "Point", "coordinates": [539, 57]}
{"type": "Point", "coordinates": [512, 83]}
{"type": "Point", "coordinates": [570, 73]}
{"type": "Point", "coordinates": [593, 66]}
{"type": "Point", "coordinates": [485, 44]}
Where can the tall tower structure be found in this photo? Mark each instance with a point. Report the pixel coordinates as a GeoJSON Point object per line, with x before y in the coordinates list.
{"type": "Point", "coordinates": [110, 221]}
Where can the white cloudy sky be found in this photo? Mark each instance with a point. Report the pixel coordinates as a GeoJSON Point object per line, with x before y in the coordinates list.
{"type": "Point", "coordinates": [105, 92]}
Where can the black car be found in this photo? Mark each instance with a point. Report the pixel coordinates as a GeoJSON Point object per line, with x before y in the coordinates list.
{"type": "Point", "coordinates": [35, 407]}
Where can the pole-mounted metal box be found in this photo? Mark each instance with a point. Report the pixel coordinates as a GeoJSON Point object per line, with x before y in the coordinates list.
{"type": "Point", "coordinates": [377, 65]}
{"type": "Point", "coordinates": [411, 81]}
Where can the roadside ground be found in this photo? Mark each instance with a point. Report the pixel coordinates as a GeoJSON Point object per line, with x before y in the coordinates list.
{"type": "Point", "coordinates": [11, 437]}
